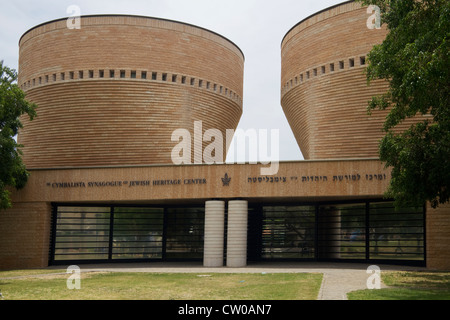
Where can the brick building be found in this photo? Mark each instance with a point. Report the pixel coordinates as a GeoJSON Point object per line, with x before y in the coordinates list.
{"type": "Point", "coordinates": [103, 186]}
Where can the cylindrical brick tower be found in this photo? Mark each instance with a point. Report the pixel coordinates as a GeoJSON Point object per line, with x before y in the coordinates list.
{"type": "Point", "coordinates": [113, 91]}
{"type": "Point", "coordinates": [324, 91]}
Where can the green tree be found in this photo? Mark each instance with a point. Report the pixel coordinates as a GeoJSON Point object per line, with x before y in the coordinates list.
{"type": "Point", "coordinates": [12, 105]}
{"type": "Point", "coordinates": [414, 59]}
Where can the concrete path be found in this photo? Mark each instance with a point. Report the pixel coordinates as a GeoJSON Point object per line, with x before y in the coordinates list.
{"type": "Point", "coordinates": [338, 278]}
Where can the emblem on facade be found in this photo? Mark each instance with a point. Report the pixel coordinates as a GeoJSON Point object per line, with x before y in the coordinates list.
{"type": "Point", "coordinates": [226, 180]}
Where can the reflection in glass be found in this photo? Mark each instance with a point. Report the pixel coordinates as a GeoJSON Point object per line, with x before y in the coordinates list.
{"type": "Point", "coordinates": [341, 231]}
{"type": "Point", "coordinates": [82, 233]}
{"type": "Point", "coordinates": [288, 232]}
{"type": "Point", "coordinates": [396, 233]}
{"type": "Point", "coordinates": [185, 231]}
{"type": "Point", "coordinates": [137, 233]}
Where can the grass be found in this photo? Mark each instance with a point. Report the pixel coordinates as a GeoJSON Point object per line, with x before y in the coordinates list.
{"type": "Point", "coordinates": [52, 285]}
{"type": "Point", "coordinates": [409, 286]}
{"type": "Point", "coordinates": [26, 285]}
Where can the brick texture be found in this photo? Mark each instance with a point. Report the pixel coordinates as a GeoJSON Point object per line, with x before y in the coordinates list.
{"type": "Point", "coordinates": [324, 95]}
{"type": "Point", "coordinates": [25, 235]}
{"type": "Point", "coordinates": [438, 237]}
{"type": "Point", "coordinates": [324, 91]}
{"type": "Point", "coordinates": [113, 91]}
{"type": "Point", "coordinates": [168, 75]}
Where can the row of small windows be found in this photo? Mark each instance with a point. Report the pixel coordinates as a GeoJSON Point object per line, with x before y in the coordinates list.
{"type": "Point", "coordinates": [332, 67]}
{"type": "Point", "coordinates": [165, 77]}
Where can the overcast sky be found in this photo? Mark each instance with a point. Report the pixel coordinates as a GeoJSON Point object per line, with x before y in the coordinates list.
{"type": "Point", "coordinates": [255, 26]}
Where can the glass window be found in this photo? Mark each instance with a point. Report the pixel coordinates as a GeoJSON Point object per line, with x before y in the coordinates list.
{"type": "Point", "coordinates": [137, 233]}
{"type": "Point", "coordinates": [362, 61]}
{"type": "Point", "coordinates": [349, 231]}
{"type": "Point", "coordinates": [342, 231]}
{"type": "Point", "coordinates": [288, 232]}
{"type": "Point", "coordinates": [185, 231]}
{"type": "Point", "coordinates": [396, 233]}
{"type": "Point", "coordinates": [82, 233]}
{"type": "Point", "coordinates": [351, 62]}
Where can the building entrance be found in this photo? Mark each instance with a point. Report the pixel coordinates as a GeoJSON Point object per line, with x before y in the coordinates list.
{"type": "Point", "coordinates": [124, 233]}
{"type": "Point", "coordinates": [367, 231]}
{"type": "Point", "coordinates": [364, 231]}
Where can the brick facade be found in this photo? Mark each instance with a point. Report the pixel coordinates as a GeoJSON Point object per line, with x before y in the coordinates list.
{"type": "Point", "coordinates": [324, 91]}
{"type": "Point", "coordinates": [25, 230]}
{"type": "Point", "coordinates": [113, 91]}
{"type": "Point", "coordinates": [324, 95]}
{"type": "Point", "coordinates": [438, 237]}
{"type": "Point", "coordinates": [25, 235]}
{"type": "Point", "coordinates": [111, 94]}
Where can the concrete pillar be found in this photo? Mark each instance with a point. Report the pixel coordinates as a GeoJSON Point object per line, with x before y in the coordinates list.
{"type": "Point", "coordinates": [237, 233]}
{"type": "Point", "coordinates": [214, 233]}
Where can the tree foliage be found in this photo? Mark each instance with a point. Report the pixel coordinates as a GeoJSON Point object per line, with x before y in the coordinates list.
{"type": "Point", "coordinates": [414, 59]}
{"type": "Point", "coordinates": [12, 105]}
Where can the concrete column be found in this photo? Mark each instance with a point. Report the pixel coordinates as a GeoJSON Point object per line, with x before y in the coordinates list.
{"type": "Point", "coordinates": [214, 233]}
{"type": "Point", "coordinates": [237, 233]}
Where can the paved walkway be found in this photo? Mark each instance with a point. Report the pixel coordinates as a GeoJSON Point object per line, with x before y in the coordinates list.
{"type": "Point", "coordinates": [338, 278]}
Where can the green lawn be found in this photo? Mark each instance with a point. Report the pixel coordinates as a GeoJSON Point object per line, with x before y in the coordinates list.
{"type": "Point", "coordinates": [52, 285]}
{"type": "Point", "coordinates": [409, 286]}
{"type": "Point", "coordinates": [25, 285]}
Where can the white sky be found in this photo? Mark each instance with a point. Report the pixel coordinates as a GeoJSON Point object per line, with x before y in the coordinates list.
{"type": "Point", "coordinates": [255, 26]}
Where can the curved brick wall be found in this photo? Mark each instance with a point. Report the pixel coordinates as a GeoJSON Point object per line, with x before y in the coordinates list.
{"type": "Point", "coordinates": [112, 92]}
{"type": "Point", "coordinates": [324, 91]}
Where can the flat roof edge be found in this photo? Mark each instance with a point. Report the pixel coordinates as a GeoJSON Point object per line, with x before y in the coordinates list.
{"type": "Point", "coordinates": [314, 14]}
{"type": "Point", "coordinates": [135, 16]}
